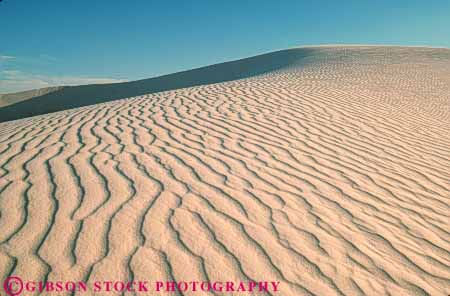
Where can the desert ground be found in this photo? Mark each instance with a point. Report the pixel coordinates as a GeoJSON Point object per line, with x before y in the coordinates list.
{"type": "Point", "coordinates": [327, 171]}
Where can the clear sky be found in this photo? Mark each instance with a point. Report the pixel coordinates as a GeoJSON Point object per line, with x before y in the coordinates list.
{"type": "Point", "coordinates": [53, 42]}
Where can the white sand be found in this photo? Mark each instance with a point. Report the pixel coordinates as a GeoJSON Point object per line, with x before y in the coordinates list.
{"type": "Point", "coordinates": [331, 175]}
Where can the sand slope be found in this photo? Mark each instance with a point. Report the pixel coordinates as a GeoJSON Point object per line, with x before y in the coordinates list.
{"type": "Point", "coordinates": [37, 102]}
{"type": "Point", "coordinates": [14, 98]}
{"type": "Point", "coordinates": [330, 175]}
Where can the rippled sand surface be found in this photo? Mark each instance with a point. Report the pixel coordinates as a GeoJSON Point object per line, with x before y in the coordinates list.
{"type": "Point", "coordinates": [330, 175]}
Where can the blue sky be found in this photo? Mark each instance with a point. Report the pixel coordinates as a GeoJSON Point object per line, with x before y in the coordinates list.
{"type": "Point", "coordinates": [53, 42]}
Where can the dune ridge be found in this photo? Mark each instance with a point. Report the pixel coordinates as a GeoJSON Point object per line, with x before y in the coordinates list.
{"type": "Point", "coordinates": [330, 175]}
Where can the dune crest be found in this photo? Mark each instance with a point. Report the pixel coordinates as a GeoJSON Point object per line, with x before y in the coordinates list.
{"type": "Point", "coordinates": [329, 174]}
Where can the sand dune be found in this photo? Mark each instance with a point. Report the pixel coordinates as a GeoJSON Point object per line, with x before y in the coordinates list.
{"type": "Point", "coordinates": [37, 102]}
{"type": "Point", "coordinates": [14, 98]}
{"type": "Point", "coordinates": [328, 173]}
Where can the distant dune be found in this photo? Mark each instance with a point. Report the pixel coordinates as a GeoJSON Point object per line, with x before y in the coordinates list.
{"type": "Point", "coordinates": [326, 169]}
{"type": "Point", "coordinates": [37, 102]}
{"type": "Point", "coordinates": [13, 98]}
